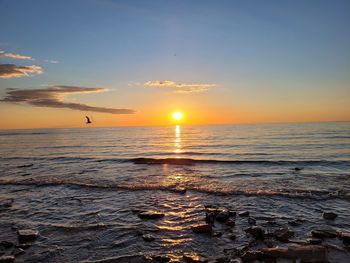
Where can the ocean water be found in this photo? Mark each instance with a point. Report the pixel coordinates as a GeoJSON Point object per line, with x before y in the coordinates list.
{"type": "Point", "coordinates": [83, 188]}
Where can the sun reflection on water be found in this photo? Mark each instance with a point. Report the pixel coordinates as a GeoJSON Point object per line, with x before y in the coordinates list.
{"type": "Point", "coordinates": [177, 141]}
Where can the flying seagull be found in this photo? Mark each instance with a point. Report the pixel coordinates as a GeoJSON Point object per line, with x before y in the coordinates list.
{"type": "Point", "coordinates": [87, 120]}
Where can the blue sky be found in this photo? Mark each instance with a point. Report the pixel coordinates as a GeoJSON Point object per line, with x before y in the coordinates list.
{"type": "Point", "coordinates": [259, 51]}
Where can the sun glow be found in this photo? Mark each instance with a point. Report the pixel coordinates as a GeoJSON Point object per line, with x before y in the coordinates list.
{"type": "Point", "coordinates": [177, 115]}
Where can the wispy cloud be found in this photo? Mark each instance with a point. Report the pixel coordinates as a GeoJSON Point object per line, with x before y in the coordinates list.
{"type": "Point", "coordinates": [53, 97]}
{"type": "Point", "coordinates": [13, 71]}
{"type": "Point", "coordinates": [4, 54]}
{"type": "Point", "coordinates": [50, 61]}
{"type": "Point", "coordinates": [179, 87]}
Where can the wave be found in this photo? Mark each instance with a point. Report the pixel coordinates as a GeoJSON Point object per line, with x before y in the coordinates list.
{"type": "Point", "coordinates": [21, 133]}
{"type": "Point", "coordinates": [189, 161]}
{"type": "Point", "coordinates": [287, 193]}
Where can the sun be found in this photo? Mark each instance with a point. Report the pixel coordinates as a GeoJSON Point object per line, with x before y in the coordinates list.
{"type": "Point", "coordinates": [177, 115]}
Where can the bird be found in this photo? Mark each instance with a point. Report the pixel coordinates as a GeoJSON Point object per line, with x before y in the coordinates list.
{"type": "Point", "coordinates": [87, 120]}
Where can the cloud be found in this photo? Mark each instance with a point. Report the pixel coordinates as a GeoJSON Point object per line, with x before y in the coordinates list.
{"type": "Point", "coordinates": [51, 61]}
{"type": "Point", "coordinates": [179, 87]}
{"type": "Point", "coordinates": [53, 97]}
{"type": "Point", "coordinates": [4, 54]}
{"type": "Point", "coordinates": [13, 71]}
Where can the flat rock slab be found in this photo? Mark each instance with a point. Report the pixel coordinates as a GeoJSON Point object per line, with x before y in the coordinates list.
{"type": "Point", "coordinates": [151, 215]}
{"type": "Point", "coordinates": [307, 254]}
{"type": "Point", "coordinates": [324, 233]}
{"type": "Point", "coordinates": [27, 235]}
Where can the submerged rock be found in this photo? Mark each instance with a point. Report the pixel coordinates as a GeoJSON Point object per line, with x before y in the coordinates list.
{"type": "Point", "coordinates": [314, 241]}
{"type": "Point", "coordinates": [162, 258]}
{"type": "Point", "coordinates": [252, 255]}
{"type": "Point", "coordinates": [307, 254]}
{"type": "Point", "coordinates": [7, 259]}
{"type": "Point", "coordinates": [230, 222]}
{"type": "Point", "coordinates": [296, 222]}
{"type": "Point", "coordinates": [345, 236]}
{"type": "Point", "coordinates": [6, 244]}
{"type": "Point", "coordinates": [324, 233]}
{"type": "Point", "coordinates": [194, 258]}
{"type": "Point", "coordinates": [329, 215]}
{"type": "Point", "coordinates": [27, 235]}
{"type": "Point", "coordinates": [222, 216]}
{"type": "Point", "coordinates": [151, 215]}
{"type": "Point", "coordinates": [244, 213]}
{"type": "Point", "coordinates": [148, 237]}
{"type": "Point", "coordinates": [202, 229]}
{"type": "Point", "coordinates": [17, 251]}
{"type": "Point", "coordinates": [210, 218]}
{"type": "Point", "coordinates": [251, 221]}
{"type": "Point", "coordinates": [283, 234]}
{"type": "Point", "coordinates": [232, 213]}
{"type": "Point", "coordinates": [256, 231]}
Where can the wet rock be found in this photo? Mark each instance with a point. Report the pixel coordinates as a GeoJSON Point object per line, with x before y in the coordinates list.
{"type": "Point", "coordinates": [27, 235]}
{"type": "Point", "coordinates": [314, 241]}
{"type": "Point", "coordinates": [329, 215]}
{"type": "Point", "coordinates": [122, 259]}
{"type": "Point", "coordinates": [17, 251]}
{"type": "Point", "coordinates": [296, 222]}
{"type": "Point", "coordinates": [162, 258]}
{"type": "Point", "coordinates": [217, 234]}
{"type": "Point", "coordinates": [232, 213]}
{"type": "Point", "coordinates": [151, 215]}
{"type": "Point", "coordinates": [297, 169]}
{"type": "Point", "coordinates": [6, 203]}
{"type": "Point", "coordinates": [202, 229]}
{"type": "Point", "coordinates": [307, 254]}
{"type": "Point", "coordinates": [251, 221]}
{"type": "Point", "coordinates": [193, 258]}
{"type": "Point", "coordinates": [324, 233]}
{"type": "Point", "coordinates": [6, 244]}
{"type": "Point", "coordinates": [7, 259]}
{"type": "Point", "coordinates": [222, 216]}
{"type": "Point", "coordinates": [236, 260]}
{"type": "Point", "coordinates": [256, 231]}
{"type": "Point", "coordinates": [210, 218]}
{"type": "Point", "coordinates": [233, 237]}
{"type": "Point", "coordinates": [244, 213]}
{"type": "Point", "coordinates": [148, 237]}
{"type": "Point", "coordinates": [345, 236]}
{"type": "Point", "coordinates": [252, 255]}
{"type": "Point", "coordinates": [283, 234]}
{"type": "Point", "coordinates": [180, 190]}
{"type": "Point", "coordinates": [230, 222]}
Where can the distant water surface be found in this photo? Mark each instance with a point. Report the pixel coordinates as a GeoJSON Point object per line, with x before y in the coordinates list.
{"type": "Point", "coordinates": [81, 187]}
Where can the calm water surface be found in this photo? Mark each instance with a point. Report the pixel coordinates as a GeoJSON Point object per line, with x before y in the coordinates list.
{"type": "Point", "coordinates": [82, 188]}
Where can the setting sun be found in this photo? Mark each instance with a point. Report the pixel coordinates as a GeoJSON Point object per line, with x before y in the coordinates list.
{"type": "Point", "coordinates": [177, 115]}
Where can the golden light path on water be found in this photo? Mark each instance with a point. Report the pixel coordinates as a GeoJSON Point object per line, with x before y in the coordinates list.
{"type": "Point", "coordinates": [177, 141]}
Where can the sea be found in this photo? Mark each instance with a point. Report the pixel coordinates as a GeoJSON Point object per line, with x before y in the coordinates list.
{"type": "Point", "coordinates": [83, 188]}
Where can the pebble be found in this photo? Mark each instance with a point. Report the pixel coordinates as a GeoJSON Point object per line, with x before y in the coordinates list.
{"type": "Point", "coordinates": [151, 215]}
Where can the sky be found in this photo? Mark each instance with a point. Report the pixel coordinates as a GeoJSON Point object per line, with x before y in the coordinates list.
{"type": "Point", "coordinates": [135, 62]}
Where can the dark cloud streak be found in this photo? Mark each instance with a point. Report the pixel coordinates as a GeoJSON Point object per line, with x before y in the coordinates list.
{"type": "Point", "coordinates": [53, 97]}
